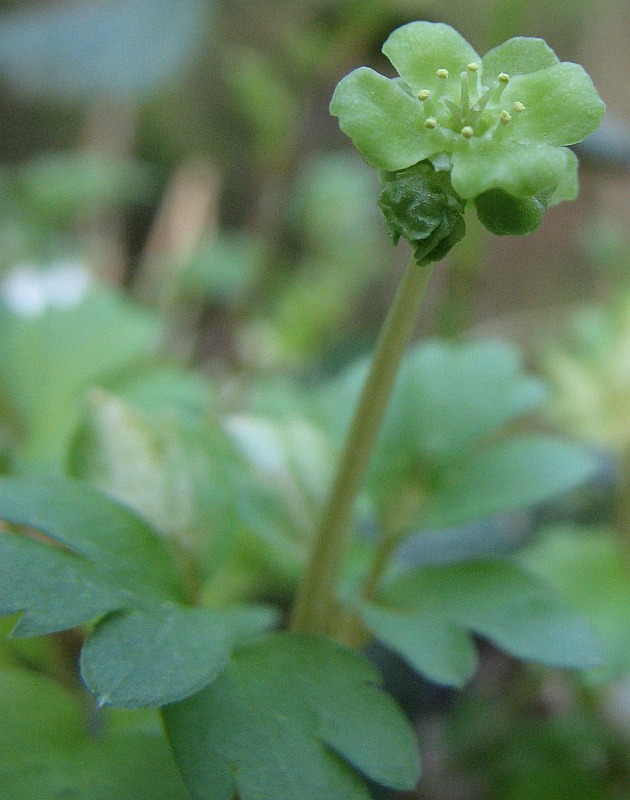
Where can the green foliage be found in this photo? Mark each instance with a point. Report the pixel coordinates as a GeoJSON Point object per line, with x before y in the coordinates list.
{"type": "Point", "coordinates": [63, 186]}
{"type": "Point", "coordinates": [154, 650]}
{"type": "Point", "coordinates": [291, 716]}
{"type": "Point", "coordinates": [572, 558]}
{"type": "Point", "coordinates": [428, 616]}
{"type": "Point", "coordinates": [445, 455]}
{"type": "Point", "coordinates": [177, 537]}
{"type": "Point", "coordinates": [45, 752]}
{"type": "Point", "coordinates": [52, 354]}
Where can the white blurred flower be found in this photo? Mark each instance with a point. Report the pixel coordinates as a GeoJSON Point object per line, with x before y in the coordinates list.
{"type": "Point", "coordinates": [29, 290]}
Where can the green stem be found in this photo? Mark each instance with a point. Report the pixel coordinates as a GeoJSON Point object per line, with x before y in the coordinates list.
{"type": "Point", "coordinates": [315, 608]}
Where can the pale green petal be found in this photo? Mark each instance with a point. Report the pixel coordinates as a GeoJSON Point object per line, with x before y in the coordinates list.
{"type": "Point", "coordinates": [418, 49]}
{"type": "Point", "coordinates": [520, 170]}
{"type": "Point", "coordinates": [561, 104]}
{"type": "Point", "coordinates": [567, 188]}
{"type": "Point", "coordinates": [518, 56]}
{"type": "Point", "coordinates": [385, 123]}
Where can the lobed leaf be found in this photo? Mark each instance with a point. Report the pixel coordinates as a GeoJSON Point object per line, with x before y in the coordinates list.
{"type": "Point", "coordinates": [292, 716]}
{"type": "Point", "coordinates": [429, 617]}
{"type": "Point", "coordinates": [147, 647]}
{"type": "Point", "coordinates": [518, 473]}
{"type": "Point", "coordinates": [150, 658]}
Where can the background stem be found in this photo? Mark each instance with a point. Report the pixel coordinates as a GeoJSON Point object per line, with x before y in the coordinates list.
{"type": "Point", "coordinates": [315, 607]}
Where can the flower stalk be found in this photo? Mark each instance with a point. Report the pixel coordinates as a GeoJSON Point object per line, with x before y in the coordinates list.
{"type": "Point", "coordinates": [316, 609]}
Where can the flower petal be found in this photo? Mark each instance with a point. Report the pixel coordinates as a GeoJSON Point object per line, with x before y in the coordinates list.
{"type": "Point", "coordinates": [385, 123]}
{"type": "Point", "coordinates": [518, 56]}
{"type": "Point", "coordinates": [561, 104]}
{"type": "Point", "coordinates": [418, 49]}
{"type": "Point", "coordinates": [567, 188]}
{"type": "Point", "coordinates": [520, 170]}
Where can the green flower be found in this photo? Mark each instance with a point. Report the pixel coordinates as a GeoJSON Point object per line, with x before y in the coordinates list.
{"type": "Point", "coordinates": [499, 124]}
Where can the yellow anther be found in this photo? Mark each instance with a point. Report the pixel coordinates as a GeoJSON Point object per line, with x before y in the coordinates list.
{"type": "Point", "coordinates": [442, 74]}
{"type": "Point", "coordinates": [430, 123]}
{"type": "Point", "coordinates": [467, 132]}
{"type": "Point", "coordinates": [505, 117]}
{"type": "Point", "coordinates": [424, 95]}
{"type": "Point", "coordinates": [503, 77]}
{"type": "Point", "coordinates": [518, 107]}
{"type": "Point", "coordinates": [473, 67]}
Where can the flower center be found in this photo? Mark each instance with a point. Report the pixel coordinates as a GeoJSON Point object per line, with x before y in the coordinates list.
{"type": "Point", "coordinates": [477, 112]}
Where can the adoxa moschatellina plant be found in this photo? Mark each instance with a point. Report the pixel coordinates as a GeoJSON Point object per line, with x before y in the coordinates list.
{"type": "Point", "coordinates": [453, 128]}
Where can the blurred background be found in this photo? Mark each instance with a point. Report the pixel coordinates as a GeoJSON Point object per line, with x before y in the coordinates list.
{"type": "Point", "coordinates": [180, 154]}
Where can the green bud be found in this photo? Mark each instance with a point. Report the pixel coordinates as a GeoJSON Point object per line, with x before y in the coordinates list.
{"type": "Point", "coordinates": [506, 215]}
{"type": "Point", "coordinates": [420, 205]}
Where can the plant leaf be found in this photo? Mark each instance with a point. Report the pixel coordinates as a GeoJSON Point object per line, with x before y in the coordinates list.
{"type": "Point", "coordinates": [45, 753]}
{"type": "Point", "coordinates": [155, 650]}
{"type": "Point", "coordinates": [47, 362]}
{"type": "Point", "coordinates": [571, 558]}
{"type": "Point", "coordinates": [517, 473]}
{"type": "Point", "coordinates": [425, 615]}
{"type": "Point", "coordinates": [292, 716]}
{"type": "Point", "coordinates": [144, 658]}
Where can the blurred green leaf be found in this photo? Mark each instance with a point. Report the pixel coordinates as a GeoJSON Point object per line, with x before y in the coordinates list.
{"type": "Point", "coordinates": [518, 473]}
{"type": "Point", "coordinates": [428, 617]}
{"type": "Point", "coordinates": [49, 358]}
{"type": "Point", "coordinates": [589, 567]}
{"type": "Point", "coordinates": [82, 51]}
{"type": "Point", "coordinates": [64, 186]}
{"type": "Point", "coordinates": [448, 396]}
{"type": "Point", "coordinates": [225, 270]}
{"type": "Point", "coordinates": [265, 97]}
{"type": "Point", "coordinates": [292, 716]}
{"type": "Point", "coordinates": [45, 753]}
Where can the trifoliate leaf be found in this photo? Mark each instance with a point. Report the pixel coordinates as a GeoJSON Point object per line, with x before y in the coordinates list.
{"type": "Point", "coordinates": [154, 649]}
{"type": "Point", "coordinates": [430, 615]}
{"type": "Point", "coordinates": [292, 716]}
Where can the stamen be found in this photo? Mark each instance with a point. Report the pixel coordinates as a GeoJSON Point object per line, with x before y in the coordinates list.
{"type": "Point", "coordinates": [473, 68]}
{"type": "Point", "coordinates": [430, 123]}
{"type": "Point", "coordinates": [518, 107]}
{"type": "Point", "coordinates": [442, 74]}
{"type": "Point", "coordinates": [467, 132]}
{"type": "Point", "coordinates": [503, 77]}
{"type": "Point", "coordinates": [464, 99]}
{"type": "Point", "coordinates": [505, 117]}
{"type": "Point", "coordinates": [424, 94]}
